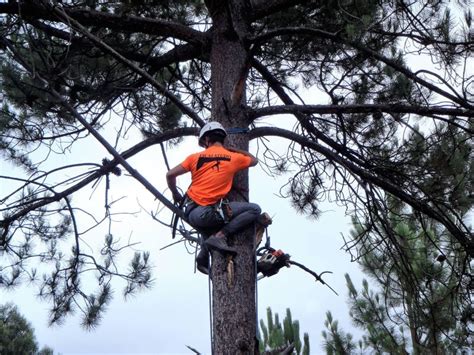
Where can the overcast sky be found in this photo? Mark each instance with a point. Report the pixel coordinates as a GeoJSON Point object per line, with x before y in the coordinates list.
{"type": "Point", "coordinates": [175, 312]}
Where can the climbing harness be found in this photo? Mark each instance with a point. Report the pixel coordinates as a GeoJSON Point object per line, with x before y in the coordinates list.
{"type": "Point", "coordinates": [237, 130]}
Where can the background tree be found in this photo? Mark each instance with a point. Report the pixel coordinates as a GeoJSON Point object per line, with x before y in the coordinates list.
{"type": "Point", "coordinates": [278, 339]}
{"type": "Point", "coordinates": [419, 306]}
{"type": "Point", "coordinates": [336, 340]}
{"type": "Point", "coordinates": [72, 70]}
{"type": "Point", "coordinates": [17, 335]}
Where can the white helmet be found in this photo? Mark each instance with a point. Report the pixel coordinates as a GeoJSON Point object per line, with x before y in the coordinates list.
{"type": "Point", "coordinates": [210, 127]}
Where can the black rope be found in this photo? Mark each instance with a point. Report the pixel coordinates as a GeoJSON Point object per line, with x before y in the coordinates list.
{"type": "Point", "coordinates": [165, 158]}
{"type": "Point", "coordinates": [256, 281]}
{"type": "Point", "coordinates": [175, 218]}
{"type": "Point", "coordinates": [211, 330]}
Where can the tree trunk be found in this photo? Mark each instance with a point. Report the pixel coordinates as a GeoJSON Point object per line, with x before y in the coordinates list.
{"type": "Point", "coordinates": [233, 296]}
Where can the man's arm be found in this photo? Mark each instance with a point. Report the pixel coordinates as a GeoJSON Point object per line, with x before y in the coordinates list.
{"type": "Point", "coordinates": [171, 176]}
{"type": "Point", "coordinates": [254, 161]}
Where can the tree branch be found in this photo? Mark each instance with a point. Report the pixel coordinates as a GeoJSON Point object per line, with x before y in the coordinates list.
{"type": "Point", "coordinates": [105, 169]}
{"type": "Point", "coordinates": [263, 8]}
{"type": "Point", "coordinates": [116, 22]}
{"type": "Point", "coordinates": [312, 32]}
{"type": "Point", "coordinates": [464, 238]}
{"type": "Point", "coordinates": [363, 108]}
{"type": "Point", "coordinates": [179, 53]}
{"type": "Point", "coordinates": [301, 117]}
{"type": "Point", "coordinates": [101, 44]}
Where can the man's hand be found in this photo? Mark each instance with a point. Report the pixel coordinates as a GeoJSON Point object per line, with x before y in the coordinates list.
{"type": "Point", "coordinates": [177, 197]}
{"type": "Point", "coordinates": [171, 180]}
{"type": "Point", "coordinates": [254, 161]}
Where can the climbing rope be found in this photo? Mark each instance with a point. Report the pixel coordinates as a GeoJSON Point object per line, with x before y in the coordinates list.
{"type": "Point", "coordinates": [187, 235]}
{"type": "Point", "coordinates": [211, 330]}
{"type": "Point", "coordinates": [257, 333]}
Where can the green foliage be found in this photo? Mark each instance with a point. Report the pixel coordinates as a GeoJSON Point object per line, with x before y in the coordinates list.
{"type": "Point", "coordinates": [17, 335]}
{"type": "Point", "coordinates": [336, 341]}
{"type": "Point", "coordinates": [278, 336]}
{"type": "Point", "coordinates": [96, 306]}
{"type": "Point", "coordinates": [419, 308]}
{"type": "Point", "coordinates": [46, 350]}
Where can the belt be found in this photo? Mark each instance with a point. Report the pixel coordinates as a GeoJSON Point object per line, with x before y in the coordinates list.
{"type": "Point", "coordinates": [189, 205]}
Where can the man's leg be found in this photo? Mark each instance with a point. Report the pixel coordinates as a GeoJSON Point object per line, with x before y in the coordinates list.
{"type": "Point", "coordinates": [243, 214]}
{"type": "Point", "coordinates": [206, 217]}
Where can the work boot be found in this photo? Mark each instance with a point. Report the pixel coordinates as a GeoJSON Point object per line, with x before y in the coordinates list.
{"type": "Point", "coordinates": [220, 244]}
{"type": "Point", "coordinates": [202, 260]}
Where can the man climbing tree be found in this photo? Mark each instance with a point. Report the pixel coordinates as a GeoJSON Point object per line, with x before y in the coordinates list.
{"type": "Point", "coordinates": [368, 124]}
{"type": "Point", "coordinates": [207, 208]}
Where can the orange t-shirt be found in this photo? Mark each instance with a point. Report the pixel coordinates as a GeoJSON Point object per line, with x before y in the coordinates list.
{"type": "Point", "coordinates": [212, 172]}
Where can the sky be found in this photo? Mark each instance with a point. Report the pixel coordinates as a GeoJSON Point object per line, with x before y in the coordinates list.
{"type": "Point", "coordinates": [174, 313]}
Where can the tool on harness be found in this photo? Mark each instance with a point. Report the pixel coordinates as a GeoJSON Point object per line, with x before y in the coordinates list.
{"type": "Point", "coordinates": [263, 221]}
{"type": "Point", "coordinates": [223, 210]}
{"type": "Point", "coordinates": [271, 262]}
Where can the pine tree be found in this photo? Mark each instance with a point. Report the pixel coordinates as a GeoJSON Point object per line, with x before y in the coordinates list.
{"type": "Point", "coordinates": [282, 338]}
{"type": "Point", "coordinates": [420, 304]}
{"type": "Point", "coordinates": [417, 306]}
{"type": "Point", "coordinates": [164, 68]}
{"type": "Point", "coordinates": [336, 341]}
{"type": "Point", "coordinates": [16, 334]}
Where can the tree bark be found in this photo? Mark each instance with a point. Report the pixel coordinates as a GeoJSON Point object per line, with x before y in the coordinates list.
{"type": "Point", "coordinates": [234, 309]}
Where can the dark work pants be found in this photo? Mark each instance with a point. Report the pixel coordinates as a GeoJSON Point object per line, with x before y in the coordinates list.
{"type": "Point", "coordinates": [204, 217]}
